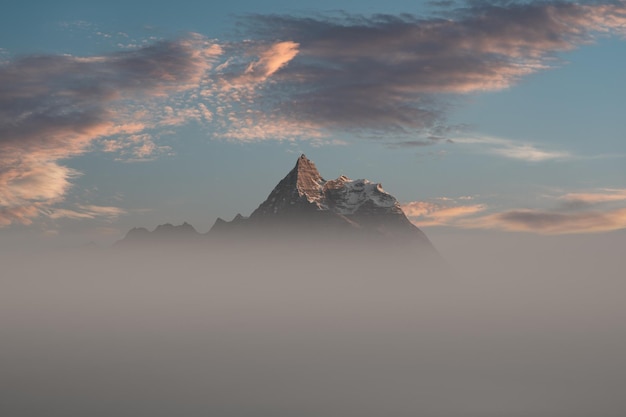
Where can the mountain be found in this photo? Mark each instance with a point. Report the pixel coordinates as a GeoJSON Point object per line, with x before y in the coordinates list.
{"type": "Point", "coordinates": [305, 207]}
{"type": "Point", "coordinates": [163, 233]}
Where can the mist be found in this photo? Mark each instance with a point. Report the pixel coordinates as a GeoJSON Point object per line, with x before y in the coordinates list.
{"type": "Point", "coordinates": [511, 325]}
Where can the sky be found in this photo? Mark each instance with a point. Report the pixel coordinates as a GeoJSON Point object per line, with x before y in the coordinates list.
{"type": "Point", "coordinates": [479, 117]}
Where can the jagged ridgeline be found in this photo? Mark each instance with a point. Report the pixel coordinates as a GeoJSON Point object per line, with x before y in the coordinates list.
{"type": "Point", "coordinates": [307, 207]}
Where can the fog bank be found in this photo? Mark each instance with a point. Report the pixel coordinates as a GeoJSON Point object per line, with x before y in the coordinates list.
{"type": "Point", "coordinates": [523, 326]}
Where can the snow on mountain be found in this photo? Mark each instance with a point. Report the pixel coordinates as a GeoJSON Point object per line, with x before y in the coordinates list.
{"type": "Point", "coordinates": [305, 205]}
{"type": "Point", "coordinates": [346, 196]}
{"type": "Point", "coordinates": [305, 189]}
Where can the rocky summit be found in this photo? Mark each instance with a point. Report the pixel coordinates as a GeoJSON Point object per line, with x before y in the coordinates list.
{"type": "Point", "coordinates": [305, 204]}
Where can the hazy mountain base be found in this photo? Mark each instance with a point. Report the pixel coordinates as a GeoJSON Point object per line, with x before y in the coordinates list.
{"type": "Point", "coordinates": [301, 329]}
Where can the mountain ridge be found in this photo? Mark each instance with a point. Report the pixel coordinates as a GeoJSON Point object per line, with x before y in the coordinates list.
{"type": "Point", "coordinates": [305, 206]}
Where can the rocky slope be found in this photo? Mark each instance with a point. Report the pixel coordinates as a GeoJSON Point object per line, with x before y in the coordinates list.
{"type": "Point", "coordinates": [305, 204]}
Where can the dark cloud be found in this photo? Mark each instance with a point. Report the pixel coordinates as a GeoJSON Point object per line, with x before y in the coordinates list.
{"type": "Point", "coordinates": [54, 96]}
{"type": "Point", "coordinates": [552, 222]}
{"type": "Point", "coordinates": [558, 223]}
{"type": "Point", "coordinates": [538, 220]}
{"type": "Point", "coordinates": [392, 74]}
{"type": "Point", "coordinates": [53, 107]}
{"type": "Point", "coordinates": [574, 205]}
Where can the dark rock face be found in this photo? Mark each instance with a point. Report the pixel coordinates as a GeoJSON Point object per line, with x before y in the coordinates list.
{"type": "Point", "coordinates": [298, 193]}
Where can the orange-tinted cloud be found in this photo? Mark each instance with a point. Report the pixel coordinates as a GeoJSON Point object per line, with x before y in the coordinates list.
{"type": "Point", "coordinates": [591, 211]}
{"type": "Point", "coordinates": [241, 85]}
{"type": "Point", "coordinates": [252, 64]}
{"type": "Point", "coordinates": [551, 222]}
{"type": "Point", "coordinates": [604, 195]}
{"type": "Point", "coordinates": [54, 107]}
{"type": "Point", "coordinates": [272, 59]}
{"type": "Point", "coordinates": [88, 212]}
{"type": "Point", "coordinates": [424, 214]}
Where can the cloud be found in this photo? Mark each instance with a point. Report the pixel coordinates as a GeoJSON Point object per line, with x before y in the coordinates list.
{"type": "Point", "coordinates": [257, 126]}
{"type": "Point", "coordinates": [424, 214]}
{"type": "Point", "coordinates": [592, 211]}
{"type": "Point", "coordinates": [237, 93]}
{"type": "Point", "coordinates": [54, 107]}
{"type": "Point", "coordinates": [18, 214]}
{"type": "Point", "coordinates": [551, 223]}
{"type": "Point", "coordinates": [88, 212]}
{"type": "Point", "coordinates": [603, 195]}
{"type": "Point", "coordinates": [134, 148]}
{"type": "Point", "coordinates": [249, 65]}
{"type": "Point", "coordinates": [514, 150]}
{"type": "Point", "coordinates": [271, 60]}
{"type": "Point", "coordinates": [388, 74]}
{"type": "Point", "coordinates": [29, 184]}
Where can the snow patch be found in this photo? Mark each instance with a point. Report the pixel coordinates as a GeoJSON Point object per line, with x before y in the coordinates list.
{"type": "Point", "coordinates": [350, 195]}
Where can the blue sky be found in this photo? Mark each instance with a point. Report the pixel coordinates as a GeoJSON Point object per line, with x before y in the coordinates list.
{"type": "Point", "coordinates": [488, 116]}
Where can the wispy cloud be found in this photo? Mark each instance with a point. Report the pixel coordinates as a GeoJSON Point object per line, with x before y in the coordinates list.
{"type": "Point", "coordinates": [88, 212]}
{"type": "Point", "coordinates": [134, 148]}
{"type": "Point", "coordinates": [54, 107]}
{"type": "Point", "coordinates": [393, 74]}
{"type": "Point", "coordinates": [591, 211]}
{"type": "Point", "coordinates": [238, 93]}
{"type": "Point", "coordinates": [551, 222]}
{"type": "Point", "coordinates": [446, 212]}
{"type": "Point", "coordinates": [603, 195]}
{"type": "Point", "coordinates": [507, 148]}
{"type": "Point", "coordinates": [270, 59]}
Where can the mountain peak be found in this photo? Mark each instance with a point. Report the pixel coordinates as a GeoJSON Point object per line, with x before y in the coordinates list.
{"type": "Point", "coordinates": [300, 189]}
{"type": "Point", "coordinates": [308, 180]}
